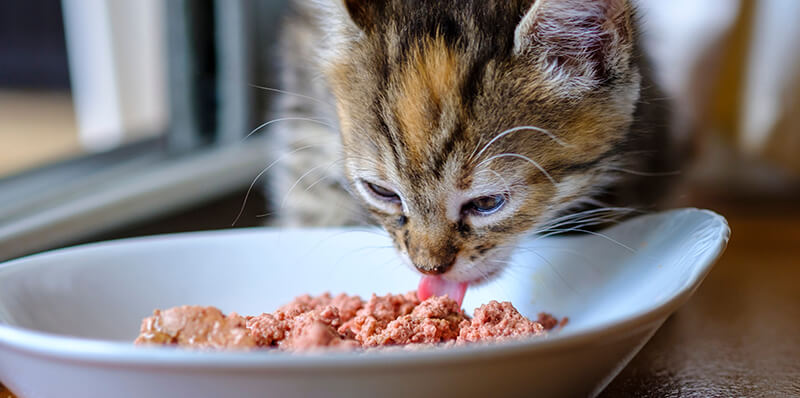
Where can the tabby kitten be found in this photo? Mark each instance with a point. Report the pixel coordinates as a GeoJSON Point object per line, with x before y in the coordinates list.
{"type": "Point", "coordinates": [461, 126]}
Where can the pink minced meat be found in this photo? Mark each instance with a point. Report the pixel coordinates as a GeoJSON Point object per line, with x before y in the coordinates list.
{"type": "Point", "coordinates": [341, 322]}
{"type": "Point", "coordinates": [495, 321]}
{"type": "Point", "coordinates": [435, 320]}
{"type": "Point", "coordinates": [376, 314]}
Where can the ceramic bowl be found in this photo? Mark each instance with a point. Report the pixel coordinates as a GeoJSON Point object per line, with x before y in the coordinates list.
{"type": "Point", "coordinates": [67, 317]}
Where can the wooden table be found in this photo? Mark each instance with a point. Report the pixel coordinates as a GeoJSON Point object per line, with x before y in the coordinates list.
{"type": "Point", "coordinates": [740, 333]}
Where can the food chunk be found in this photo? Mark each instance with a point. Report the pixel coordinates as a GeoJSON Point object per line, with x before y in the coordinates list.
{"type": "Point", "coordinates": [497, 321]}
{"type": "Point", "coordinates": [434, 320]}
{"type": "Point", "coordinates": [200, 327]}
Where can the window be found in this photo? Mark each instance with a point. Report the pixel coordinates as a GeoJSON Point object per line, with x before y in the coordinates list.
{"type": "Point", "coordinates": [114, 112]}
{"type": "Point", "coordinates": [37, 122]}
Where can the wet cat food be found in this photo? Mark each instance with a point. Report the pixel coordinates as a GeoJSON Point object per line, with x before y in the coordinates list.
{"type": "Point", "coordinates": [341, 322]}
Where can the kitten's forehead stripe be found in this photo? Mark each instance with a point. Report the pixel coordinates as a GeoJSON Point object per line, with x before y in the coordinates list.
{"type": "Point", "coordinates": [426, 81]}
{"type": "Point", "coordinates": [394, 143]}
{"type": "Point", "coordinates": [471, 86]}
{"type": "Point", "coordinates": [439, 158]}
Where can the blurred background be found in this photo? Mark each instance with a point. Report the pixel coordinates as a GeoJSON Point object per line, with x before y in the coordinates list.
{"type": "Point", "coordinates": [121, 118]}
{"type": "Point", "coordinates": [732, 69]}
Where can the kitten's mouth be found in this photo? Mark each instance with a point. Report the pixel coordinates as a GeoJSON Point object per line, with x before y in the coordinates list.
{"type": "Point", "coordinates": [441, 285]}
{"type": "Point", "coordinates": [437, 286]}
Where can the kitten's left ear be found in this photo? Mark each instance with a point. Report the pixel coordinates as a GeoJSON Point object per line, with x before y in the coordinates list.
{"type": "Point", "coordinates": [365, 13]}
{"type": "Point", "coordinates": [584, 38]}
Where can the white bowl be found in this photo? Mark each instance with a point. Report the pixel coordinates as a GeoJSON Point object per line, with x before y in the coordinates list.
{"type": "Point", "coordinates": [67, 317]}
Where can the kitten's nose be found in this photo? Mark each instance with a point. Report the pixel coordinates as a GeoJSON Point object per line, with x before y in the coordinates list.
{"type": "Point", "coordinates": [431, 253]}
{"type": "Point", "coordinates": [436, 269]}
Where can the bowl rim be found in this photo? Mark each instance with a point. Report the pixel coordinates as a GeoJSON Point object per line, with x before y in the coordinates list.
{"type": "Point", "coordinates": [103, 352]}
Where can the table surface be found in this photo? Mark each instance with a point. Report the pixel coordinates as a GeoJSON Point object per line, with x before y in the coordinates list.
{"type": "Point", "coordinates": [739, 335]}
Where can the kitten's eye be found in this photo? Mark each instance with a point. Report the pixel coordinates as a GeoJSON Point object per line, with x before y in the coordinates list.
{"type": "Point", "coordinates": [383, 193]}
{"type": "Point", "coordinates": [485, 205]}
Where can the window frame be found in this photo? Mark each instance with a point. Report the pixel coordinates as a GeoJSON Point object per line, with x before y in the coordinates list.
{"type": "Point", "coordinates": [203, 155]}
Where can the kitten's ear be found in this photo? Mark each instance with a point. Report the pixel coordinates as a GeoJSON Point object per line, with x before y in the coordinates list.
{"type": "Point", "coordinates": [365, 13]}
{"type": "Point", "coordinates": [584, 38]}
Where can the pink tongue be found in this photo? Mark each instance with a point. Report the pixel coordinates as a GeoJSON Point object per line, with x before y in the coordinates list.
{"type": "Point", "coordinates": [435, 286]}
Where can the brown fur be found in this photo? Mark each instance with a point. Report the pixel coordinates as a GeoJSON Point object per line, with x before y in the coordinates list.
{"type": "Point", "coordinates": [424, 84]}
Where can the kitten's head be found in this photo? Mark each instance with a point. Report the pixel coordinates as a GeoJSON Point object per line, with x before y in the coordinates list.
{"type": "Point", "coordinates": [467, 124]}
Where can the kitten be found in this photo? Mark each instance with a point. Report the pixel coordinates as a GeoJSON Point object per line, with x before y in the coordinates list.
{"type": "Point", "coordinates": [461, 126]}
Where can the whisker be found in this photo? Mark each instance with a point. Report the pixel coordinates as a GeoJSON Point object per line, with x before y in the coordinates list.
{"type": "Point", "coordinates": [323, 178]}
{"type": "Point", "coordinates": [505, 182]}
{"type": "Point", "coordinates": [591, 212]}
{"type": "Point", "coordinates": [577, 220]}
{"type": "Point", "coordinates": [325, 175]}
{"type": "Point", "coordinates": [298, 95]}
{"type": "Point", "coordinates": [601, 235]}
{"type": "Point", "coordinates": [604, 236]}
{"type": "Point", "coordinates": [580, 220]}
{"type": "Point", "coordinates": [643, 173]}
{"type": "Point", "coordinates": [545, 233]}
{"type": "Point", "coordinates": [289, 191]}
{"type": "Point", "coordinates": [589, 262]}
{"type": "Point", "coordinates": [555, 270]}
{"type": "Point", "coordinates": [250, 189]}
{"type": "Point", "coordinates": [514, 130]}
{"type": "Point", "coordinates": [283, 119]}
{"type": "Point", "coordinates": [518, 156]}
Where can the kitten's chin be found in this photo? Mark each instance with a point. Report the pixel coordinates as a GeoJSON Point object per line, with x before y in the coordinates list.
{"type": "Point", "coordinates": [480, 271]}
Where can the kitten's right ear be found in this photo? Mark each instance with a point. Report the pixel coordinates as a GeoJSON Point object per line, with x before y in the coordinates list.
{"type": "Point", "coordinates": [364, 13]}
{"type": "Point", "coordinates": [586, 39]}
